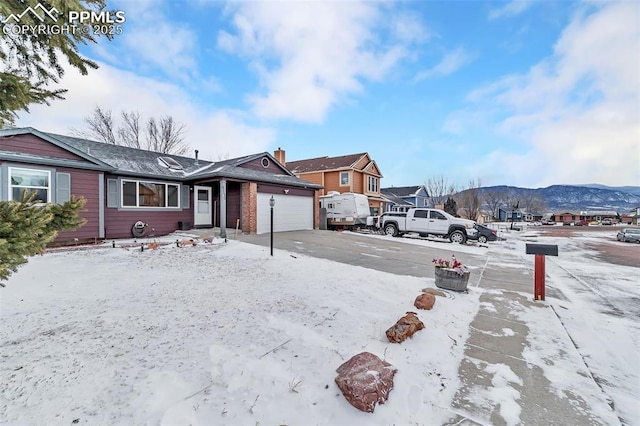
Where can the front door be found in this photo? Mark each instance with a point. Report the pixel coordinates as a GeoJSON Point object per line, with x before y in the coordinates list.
{"type": "Point", "coordinates": [202, 212]}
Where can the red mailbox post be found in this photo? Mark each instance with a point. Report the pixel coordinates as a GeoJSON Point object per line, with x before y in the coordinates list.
{"type": "Point", "coordinates": [540, 250]}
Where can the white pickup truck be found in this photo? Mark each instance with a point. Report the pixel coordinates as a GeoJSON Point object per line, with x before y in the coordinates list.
{"type": "Point", "coordinates": [427, 222]}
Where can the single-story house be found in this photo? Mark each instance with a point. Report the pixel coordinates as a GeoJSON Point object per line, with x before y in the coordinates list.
{"type": "Point", "coordinates": [399, 198]}
{"type": "Point", "coordinates": [576, 216]}
{"type": "Point", "coordinates": [125, 185]}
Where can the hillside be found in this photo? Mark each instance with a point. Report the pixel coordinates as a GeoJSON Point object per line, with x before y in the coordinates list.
{"type": "Point", "coordinates": [568, 197]}
{"type": "Point", "coordinates": [635, 190]}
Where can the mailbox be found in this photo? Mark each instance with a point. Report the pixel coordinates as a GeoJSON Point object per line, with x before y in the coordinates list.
{"type": "Point", "coordinates": [540, 250]}
{"type": "Point", "coordinates": [545, 249]}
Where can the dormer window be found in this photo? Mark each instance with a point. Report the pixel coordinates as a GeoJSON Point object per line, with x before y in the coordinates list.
{"type": "Point", "coordinates": [170, 163]}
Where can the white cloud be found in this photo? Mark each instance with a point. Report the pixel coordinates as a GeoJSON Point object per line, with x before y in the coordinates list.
{"type": "Point", "coordinates": [164, 45]}
{"type": "Point", "coordinates": [309, 55]}
{"type": "Point", "coordinates": [578, 109]}
{"type": "Point", "coordinates": [216, 133]}
{"type": "Point", "coordinates": [152, 41]}
{"type": "Point", "coordinates": [513, 8]}
{"type": "Point", "coordinates": [450, 63]}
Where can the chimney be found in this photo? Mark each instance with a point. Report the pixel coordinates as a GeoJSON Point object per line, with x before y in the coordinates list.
{"type": "Point", "coordinates": [196, 163]}
{"type": "Point", "coordinates": [279, 155]}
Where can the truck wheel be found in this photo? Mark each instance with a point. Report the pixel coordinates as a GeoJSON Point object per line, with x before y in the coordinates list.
{"type": "Point", "coordinates": [458, 237]}
{"type": "Point", "coordinates": [391, 229]}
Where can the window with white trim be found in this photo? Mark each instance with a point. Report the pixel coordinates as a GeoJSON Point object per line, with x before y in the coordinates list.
{"type": "Point", "coordinates": [23, 181]}
{"type": "Point", "coordinates": [372, 184]}
{"type": "Point", "coordinates": [344, 178]}
{"type": "Point", "coordinates": [150, 194]}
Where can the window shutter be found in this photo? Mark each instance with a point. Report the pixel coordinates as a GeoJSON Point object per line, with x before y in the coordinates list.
{"type": "Point", "coordinates": [184, 202]}
{"type": "Point", "coordinates": [112, 193]}
{"type": "Point", "coordinates": [63, 187]}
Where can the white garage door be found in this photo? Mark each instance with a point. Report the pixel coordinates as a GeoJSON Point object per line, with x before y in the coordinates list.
{"type": "Point", "coordinates": [291, 213]}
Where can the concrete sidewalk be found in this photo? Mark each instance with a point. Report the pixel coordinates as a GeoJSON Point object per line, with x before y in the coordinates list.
{"type": "Point", "coordinates": [500, 362]}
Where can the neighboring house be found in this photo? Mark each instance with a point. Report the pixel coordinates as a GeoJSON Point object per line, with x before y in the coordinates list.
{"type": "Point", "coordinates": [402, 197]}
{"type": "Point", "coordinates": [124, 185]}
{"type": "Point", "coordinates": [507, 215]}
{"type": "Point", "coordinates": [356, 173]}
{"type": "Point", "coordinates": [635, 216]}
{"type": "Point", "coordinates": [598, 215]}
{"type": "Point", "coordinates": [532, 217]}
{"type": "Point", "coordinates": [627, 218]}
{"type": "Point", "coordinates": [577, 216]}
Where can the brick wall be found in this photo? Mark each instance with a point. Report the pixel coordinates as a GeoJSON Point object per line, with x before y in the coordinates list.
{"type": "Point", "coordinates": [249, 207]}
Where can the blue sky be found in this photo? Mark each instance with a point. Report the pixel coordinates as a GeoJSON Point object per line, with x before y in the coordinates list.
{"type": "Point", "coordinates": [515, 93]}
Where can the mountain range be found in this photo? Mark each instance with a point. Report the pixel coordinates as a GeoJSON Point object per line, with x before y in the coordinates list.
{"type": "Point", "coordinates": [577, 197]}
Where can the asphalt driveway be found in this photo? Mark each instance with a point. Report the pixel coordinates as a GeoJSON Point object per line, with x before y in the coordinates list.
{"type": "Point", "coordinates": [384, 254]}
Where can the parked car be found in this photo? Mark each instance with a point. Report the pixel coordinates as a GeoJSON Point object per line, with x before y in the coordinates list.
{"type": "Point", "coordinates": [548, 222]}
{"type": "Point", "coordinates": [582, 223]}
{"type": "Point", "coordinates": [629, 235]}
{"type": "Point", "coordinates": [606, 222]}
{"type": "Point", "coordinates": [483, 234]}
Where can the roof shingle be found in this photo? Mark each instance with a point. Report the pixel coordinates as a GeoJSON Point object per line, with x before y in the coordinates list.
{"type": "Point", "coordinates": [324, 163]}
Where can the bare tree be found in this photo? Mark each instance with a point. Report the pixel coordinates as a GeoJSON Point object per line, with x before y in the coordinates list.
{"type": "Point", "coordinates": [532, 203]}
{"type": "Point", "coordinates": [129, 132]}
{"type": "Point", "coordinates": [165, 135]}
{"type": "Point", "coordinates": [494, 198]}
{"type": "Point", "coordinates": [469, 200]}
{"type": "Point", "coordinates": [99, 126]}
{"type": "Point", "coordinates": [439, 189]}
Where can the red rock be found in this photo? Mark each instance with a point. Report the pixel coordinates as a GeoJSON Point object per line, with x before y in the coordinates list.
{"type": "Point", "coordinates": [405, 327]}
{"type": "Point", "coordinates": [365, 380]}
{"type": "Point", "coordinates": [425, 301]}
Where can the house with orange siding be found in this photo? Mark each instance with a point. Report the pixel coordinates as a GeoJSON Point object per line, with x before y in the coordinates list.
{"type": "Point", "coordinates": [356, 173]}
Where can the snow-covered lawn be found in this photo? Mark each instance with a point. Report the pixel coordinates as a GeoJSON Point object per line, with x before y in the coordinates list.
{"type": "Point", "coordinates": [215, 334]}
{"type": "Point", "coordinates": [223, 333]}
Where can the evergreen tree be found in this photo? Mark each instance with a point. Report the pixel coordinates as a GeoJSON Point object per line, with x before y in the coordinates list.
{"type": "Point", "coordinates": [17, 93]}
{"type": "Point", "coordinates": [31, 58]}
{"type": "Point", "coordinates": [451, 207]}
{"type": "Point", "coordinates": [26, 228]}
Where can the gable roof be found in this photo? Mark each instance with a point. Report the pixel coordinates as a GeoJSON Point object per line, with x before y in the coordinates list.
{"type": "Point", "coordinates": [133, 161]}
{"type": "Point", "coordinates": [325, 163]}
{"type": "Point", "coordinates": [98, 164]}
{"type": "Point", "coordinates": [390, 198]}
{"type": "Point", "coordinates": [232, 172]}
{"type": "Point", "coordinates": [404, 191]}
{"type": "Point", "coordinates": [143, 163]}
{"type": "Point", "coordinates": [229, 169]}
